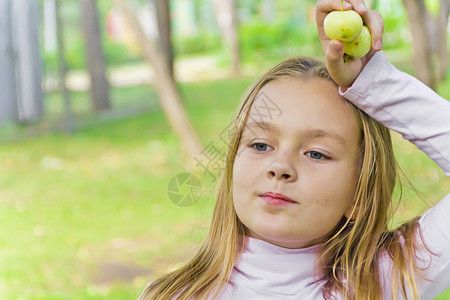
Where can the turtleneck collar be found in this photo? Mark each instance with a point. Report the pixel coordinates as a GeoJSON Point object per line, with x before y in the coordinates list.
{"type": "Point", "coordinates": [274, 269]}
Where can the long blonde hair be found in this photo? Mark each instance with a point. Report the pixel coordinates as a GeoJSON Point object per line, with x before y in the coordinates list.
{"type": "Point", "coordinates": [348, 261]}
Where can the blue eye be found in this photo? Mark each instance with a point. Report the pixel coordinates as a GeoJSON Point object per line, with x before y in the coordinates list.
{"type": "Point", "coordinates": [316, 155]}
{"type": "Point", "coordinates": [260, 147]}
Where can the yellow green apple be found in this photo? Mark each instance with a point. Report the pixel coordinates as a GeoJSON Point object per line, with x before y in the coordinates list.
{"type": "Point", "coordinates": [361, 45]}
{"type": "Point", "coordinates": [344, 26]}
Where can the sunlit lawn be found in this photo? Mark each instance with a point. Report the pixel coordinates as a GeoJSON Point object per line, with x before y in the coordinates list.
{"type": "Point", "coordinates": [87, 216]}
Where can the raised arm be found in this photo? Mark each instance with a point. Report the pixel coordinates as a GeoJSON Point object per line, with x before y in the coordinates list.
{"type": "Point", "coordinates": [406, 105]}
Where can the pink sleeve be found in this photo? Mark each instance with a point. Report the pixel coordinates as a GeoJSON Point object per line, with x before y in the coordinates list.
{"type": "Point", "coordinates": [404, 104]}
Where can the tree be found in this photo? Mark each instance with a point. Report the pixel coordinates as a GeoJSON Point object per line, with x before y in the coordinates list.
{"type": "Point", "coordinates": [169, 96]}
{"type": "Point", "coordinates": [226, 15]}
{"type": "Point", "coordinates": [94, 55]}
{"type": "Point", "coordinates": [8, 96]}
{"type": "Point", "coordinates": [62, 69]}
{"type": "Point", "coordinates": [429, 35]}
{"type": "Point", "coordinates": [165, 31]}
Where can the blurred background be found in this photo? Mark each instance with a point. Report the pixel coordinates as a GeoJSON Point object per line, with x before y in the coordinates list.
{"type": "Point", "coordinates": [113, 123]}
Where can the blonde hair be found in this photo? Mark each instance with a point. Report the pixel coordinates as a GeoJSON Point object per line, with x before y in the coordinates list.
{"type": "Point", "coordinates": [348, 261]}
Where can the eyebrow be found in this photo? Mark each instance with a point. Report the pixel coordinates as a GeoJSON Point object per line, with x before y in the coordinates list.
{"type": "Point", "coordinates": [312, 133]}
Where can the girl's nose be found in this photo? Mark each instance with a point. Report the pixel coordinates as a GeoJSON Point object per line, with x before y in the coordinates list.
{"type": "Point", "coordinates": [282, 169]}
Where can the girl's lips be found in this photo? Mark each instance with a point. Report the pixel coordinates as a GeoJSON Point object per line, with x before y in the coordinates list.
{"type": "Point", "coordinates": [276, 199]}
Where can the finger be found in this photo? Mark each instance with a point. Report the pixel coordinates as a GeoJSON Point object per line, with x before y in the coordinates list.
{"type": "Point", "coordinates": [375, 23]}
{"type": "Point", "coordinates": [323, 7]}
{"type": "Point", "coordinates": [327, 6]}
{"type": "Point", "coordinates": [358, 6]}
{"type": "Point", "coordinates": [334, 57]}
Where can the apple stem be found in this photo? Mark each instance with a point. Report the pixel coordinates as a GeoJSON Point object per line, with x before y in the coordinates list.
{"type": "Point", "coordinates": [346, 57]}
{"type": "Point", "coordinates": [342, 5]}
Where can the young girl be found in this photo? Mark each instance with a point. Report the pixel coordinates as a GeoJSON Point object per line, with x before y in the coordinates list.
{"type": "Point", "coordinates": [304, 202]}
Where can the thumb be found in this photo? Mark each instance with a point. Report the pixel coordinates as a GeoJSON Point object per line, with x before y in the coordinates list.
{"type": "Point", "coordinates": [334, 57]}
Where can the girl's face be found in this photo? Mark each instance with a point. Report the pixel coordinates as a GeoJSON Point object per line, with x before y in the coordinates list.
{"type": "Point", "coordinates": [308, 153]}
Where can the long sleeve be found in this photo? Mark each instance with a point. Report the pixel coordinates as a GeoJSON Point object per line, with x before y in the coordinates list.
{"type": "Point", "coordinates": [404, 104]}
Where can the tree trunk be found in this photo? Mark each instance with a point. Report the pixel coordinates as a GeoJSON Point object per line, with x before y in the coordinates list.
{"type": "Point", "coordinates": [165, 85]}
{"type": "Point", "coordinates": [429, 41]}
{"type": "Point", "coordinates": [418, 20]}
{"type": "Point", "coordinates": [165, 31]}
{"type": "Point", "coordinates": [62, 70]}
{"type": "Point", "coordinates": [8, 80]}
{"type": "Point", "coordinates": [28, 64]}
{"type": "Point", "coordinates": [226, 15]}
{"type": "Point", "coordinates": [442, 39]}
{"type": "Point", "coordinates": [94, 55]}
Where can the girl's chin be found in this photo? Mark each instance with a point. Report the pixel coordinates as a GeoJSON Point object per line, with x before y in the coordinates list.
{"type": "Point", "coordinates": [286, 244]}
{"type": "Point", "coordinates": [277, 237]}
{"type": "Point", "coordinates": [283, 239]}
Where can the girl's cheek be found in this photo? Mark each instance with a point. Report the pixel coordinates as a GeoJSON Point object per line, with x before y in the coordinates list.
{"type": "Point", "coordinates": [243, 155]}
{"type": "Point", "coordinates": [242, 164]}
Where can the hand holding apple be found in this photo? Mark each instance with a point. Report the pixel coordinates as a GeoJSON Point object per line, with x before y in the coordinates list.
{"type": "Point", "coordinates": [347, 27]}
{"type": "Point", "coordinates": [344, 25]}
{"type": "Point", "coordinates": [344, 73]}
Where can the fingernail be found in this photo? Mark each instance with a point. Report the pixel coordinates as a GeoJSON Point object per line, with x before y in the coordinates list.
{"type": "Point", "coordinates": [378, 45]}
{"type": "Point", "coordinates": [335, 47]}
{"type": "Point", "coordinates": [362, 7]}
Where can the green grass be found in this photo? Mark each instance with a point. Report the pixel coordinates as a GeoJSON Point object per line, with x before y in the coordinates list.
{"type": "Point", "coordinates": [76, 206]}
{"type": "Point", "coordinates": [87, 216]}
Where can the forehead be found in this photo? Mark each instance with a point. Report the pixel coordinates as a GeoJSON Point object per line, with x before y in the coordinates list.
{"type": "Point", "coordinates": [296, 105]}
